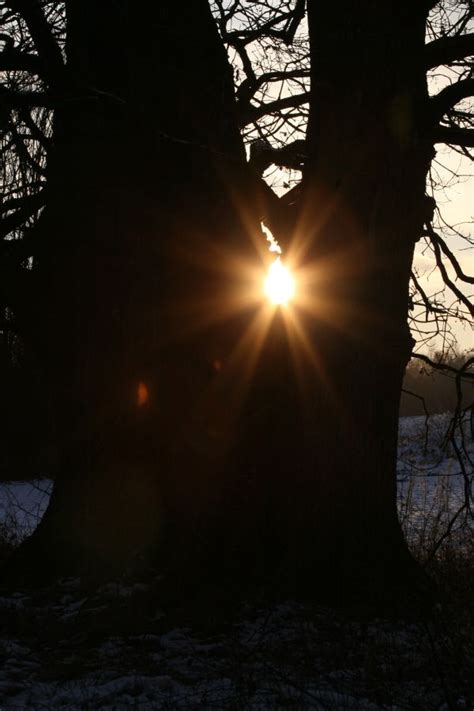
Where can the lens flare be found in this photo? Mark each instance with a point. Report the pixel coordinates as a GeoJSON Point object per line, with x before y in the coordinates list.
{"type": "Point", "coordinates": [142, 394]}
{"type": "Point", "coordinates": [279, 285]}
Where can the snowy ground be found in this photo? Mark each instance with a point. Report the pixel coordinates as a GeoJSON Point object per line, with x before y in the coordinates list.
{"type": "Point", "coordinates": [22, 505]}
{"type": "Point", "coordinates": [77, 653]}
{"type": "Point", "coordinates": [70, 647]}
{"type": "Point", "coordinates": [435, 481]}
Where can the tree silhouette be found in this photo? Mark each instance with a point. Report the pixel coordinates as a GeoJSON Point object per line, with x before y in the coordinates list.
{"type": "Point", "coordinates": [193, 423]}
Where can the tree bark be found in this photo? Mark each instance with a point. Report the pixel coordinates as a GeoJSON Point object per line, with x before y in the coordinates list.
{"type": "Point", "coordinates": [174, 436]}
{"type": "Point", "coordinates": [147, 209]}
{"type": "Point", "coordinates": [364, 187]}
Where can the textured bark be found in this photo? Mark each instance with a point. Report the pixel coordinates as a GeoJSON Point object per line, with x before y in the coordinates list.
{"type": "Point", "coordinates": [364, 192]}
{"type": "Point", "coordinates": [147, 191]}
{"type": "Point", "coordinates": [146, 195]}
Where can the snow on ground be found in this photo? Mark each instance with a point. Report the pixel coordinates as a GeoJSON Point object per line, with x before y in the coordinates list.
{"type": "Point", "coordinates": [79, 655]}
{"type": "Point", "coordinates": [22, 505]}
{"type": "Point", "coordinates": [70, 647]}
{"type": "Point", "coordinates": [435, 480]}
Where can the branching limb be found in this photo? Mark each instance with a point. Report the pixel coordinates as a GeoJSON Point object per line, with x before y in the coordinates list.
{"type": "Point", "coordinates": [263, 155]}
{"type": "Point", "coordinates": [23, 152]}
{"type": "Point", "coordinates": [27, 207]}
{"type": "Point", "coordinates": [26, 99]}
{"type": "Point", "coordinates": [250, 113]}
{"type": "Point", "coordinates": [444, 273]}
{"type": "Point", "coordinates": [36, 133]}
{"type": "Point", "coordinates": [42, 35]}
{"type": "Point", "coordinates": [454, 262]}
{"type": "Point", "coordinates": [439, 365]}
{"type": "Point", "coordinates": [430, 308]}
{"type": "Point", "coordinates": [249, 86]}
{"type": "Point", "coordinates": [448, 97]}
{"type": "Point", "coordinates": [12, 59]}
{"type": "Point", "coordinates": [291, 19]}
{"type": "Point", "coordinates": [448, 49]}
{"type": "Point", "coordinates": [454, 136]}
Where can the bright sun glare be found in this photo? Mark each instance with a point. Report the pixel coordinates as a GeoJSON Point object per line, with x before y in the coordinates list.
{"type": "Point", "coordinates": [279, 284]}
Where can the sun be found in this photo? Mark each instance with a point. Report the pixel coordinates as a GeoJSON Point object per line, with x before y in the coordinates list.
{"type": "Point", "coordinates": [279, 285]}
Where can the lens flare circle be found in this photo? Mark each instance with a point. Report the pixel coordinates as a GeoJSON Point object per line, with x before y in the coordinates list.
{"type": "Point", "coordinates": [279, 285]}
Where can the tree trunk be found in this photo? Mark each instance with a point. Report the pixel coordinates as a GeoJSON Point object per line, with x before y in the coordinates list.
{"type": "Point", "coordinates": [146, 213]}
{"type": "Point", "coordinates": [175, 435]}
{"type": "Point", "coordinates": [364, 188]}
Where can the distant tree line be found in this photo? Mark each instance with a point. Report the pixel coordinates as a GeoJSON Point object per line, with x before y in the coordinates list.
{"type": "Point", "coordinates": [429, 390]}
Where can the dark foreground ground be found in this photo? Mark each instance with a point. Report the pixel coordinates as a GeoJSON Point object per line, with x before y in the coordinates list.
{"type": "Point", "coordinates": [115, 647]}
{"type": "Point", "coordinates": [120, 646]}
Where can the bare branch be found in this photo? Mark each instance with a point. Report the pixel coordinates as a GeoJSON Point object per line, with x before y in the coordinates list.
{"type": "Point", "coordinates": [27, 207]}
{"type": "Point", "coordinates": [34, 129]}
{"type": "Point", "coordinates": [26, 99]}
{"type": "Point", "coordinates": [448, 49]}
{"type": "Point", "coordinates": [454, 262]}
{"type": "Point", "coordinates": [292, 20]}
{"type": "Point", "coordinates": [439, 261]}
{"type": "Point", "coordinates": [42, 36]}
{"type": "Point", "coordinates": [453, 135]}
{"type": "Point", "coordinates": [263, 154]}
{"type": "Point", "coordinates": [463, 371]}
{"type": "Point", "coordinates": [249, 86]}
{"type": "Point", "coordinates": [23, 152]}
{"type": "Point", "coordinates": [429, 305]}
{"type": "Point", "coordinates": [448, 97]}
{"type": "Point", "coordinates": [250, 113]}
{"type": "Point", "coordinates": [14, 60]}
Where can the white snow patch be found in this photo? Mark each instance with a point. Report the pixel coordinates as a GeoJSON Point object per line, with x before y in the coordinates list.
{"type": "Point", "coordinates": [22, 505]}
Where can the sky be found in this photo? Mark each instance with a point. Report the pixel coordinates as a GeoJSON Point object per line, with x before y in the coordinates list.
{"type": "Point", "coordinates": [456, 208]}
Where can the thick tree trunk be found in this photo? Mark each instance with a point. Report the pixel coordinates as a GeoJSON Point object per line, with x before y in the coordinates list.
{"type": "Point", "coordinates": [364, 191]}
{"type": "Point", "coordinates": [147, 210]}
{"type": "Point", "coordinates": [167, 441]}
